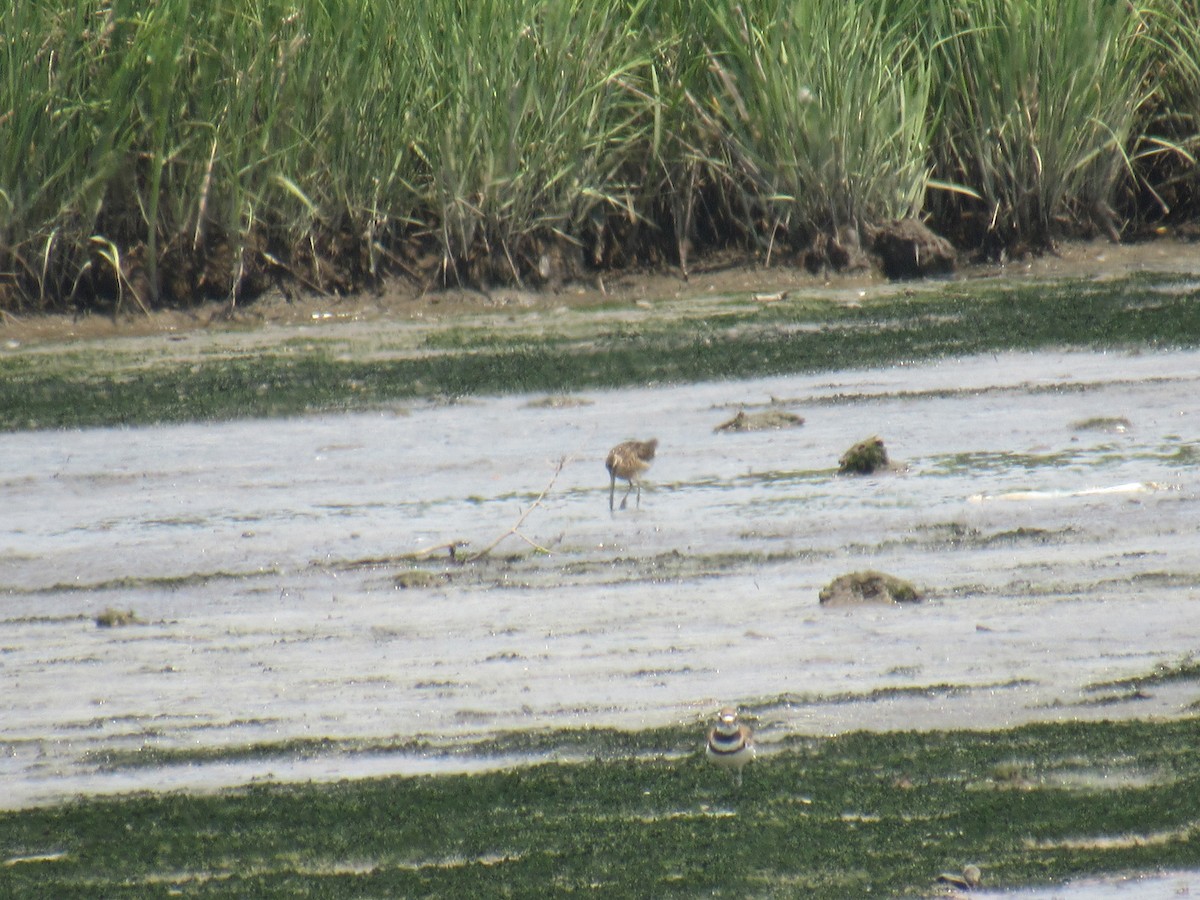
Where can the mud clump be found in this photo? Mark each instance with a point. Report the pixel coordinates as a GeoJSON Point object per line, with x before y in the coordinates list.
{"type": "Point", "coordinates": [559, 401]}
{"type": "Point", "coordinates": [868, 589]}
{"type": "Point", "coordinates": [907, 248]}
{"type": "Point", "coordinates": [864, 458]}
{"type": "Point", "coordinates": [415, 579]}
{"type": "Point", "coordinates": [116, 618]}
{"type": "Point", "coordinates": [1106, 424]}
{"type": "Point", "coordinates": [761, 421]}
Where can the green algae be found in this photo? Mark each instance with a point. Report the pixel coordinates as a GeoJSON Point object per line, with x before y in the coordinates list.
{"type": "Point", "coordinates": [98, 386]}
{"type": "Point", "coordinates": [157, 582]}
{"type": "Point", "coordinates": [1185, 670]}
{"type": "Point", "coordinates": [981, 461]}
{"type": "Point", "coordinates": [859, 814]}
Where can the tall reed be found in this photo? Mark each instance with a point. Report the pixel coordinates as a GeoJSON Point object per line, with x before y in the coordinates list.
{"type": "Point", "coordinates": [61, 133]}
{"type": "Point", "coordinates": [537, 126]}
{"type": "Point", "coordinates": [153, 152]}
{"type": "Point", "coordinates": [1041, 98]}
{"type": "Point", "coordinates": [825, 106]}
{"type": "Point", "coordinates": [1169, 138]}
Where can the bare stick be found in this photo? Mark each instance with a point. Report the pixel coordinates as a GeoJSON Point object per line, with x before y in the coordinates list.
{"type": "Point", "coordinates": [451, 547]}
{"type": "Point", "coordinates": [515, 529]}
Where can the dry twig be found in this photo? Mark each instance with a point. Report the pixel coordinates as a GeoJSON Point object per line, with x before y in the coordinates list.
{"type": "Point", "coordinates": [515, 529]}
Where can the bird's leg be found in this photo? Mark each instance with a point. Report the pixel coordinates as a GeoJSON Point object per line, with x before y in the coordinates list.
{"type": "Point", "coordinates": [626, 497]}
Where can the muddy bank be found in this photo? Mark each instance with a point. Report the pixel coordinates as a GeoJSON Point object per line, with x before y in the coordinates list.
{"type": "Point", "coordinates": [719, 277]}
{"type": "Point", "coordinates": [378, 359]}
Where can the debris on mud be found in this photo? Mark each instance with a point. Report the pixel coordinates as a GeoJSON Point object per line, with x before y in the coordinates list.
{"type": "Point", "coordinates": [1106, 424]}
{"type": "Point", "coordinates": [761, 421]}
{"type": "Point", "coordinates": [558, 401]}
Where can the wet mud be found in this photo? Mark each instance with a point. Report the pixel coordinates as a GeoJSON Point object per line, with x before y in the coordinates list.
{"type": "Point", "coordinates": [292, 580]}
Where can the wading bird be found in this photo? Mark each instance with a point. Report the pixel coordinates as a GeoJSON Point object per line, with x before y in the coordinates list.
{"type": "Point", "coordinates": [628, 461]}
{"type": "Point", "coordinates": [730, 743]}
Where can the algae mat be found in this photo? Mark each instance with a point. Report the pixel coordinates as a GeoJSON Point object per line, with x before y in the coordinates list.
{"type": "Point", "coordinates": [863, 814]}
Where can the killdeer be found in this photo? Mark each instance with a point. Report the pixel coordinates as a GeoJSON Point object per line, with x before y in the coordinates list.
{"type": "Point", "coordinates": [730, 743]}
{"type": "Point", "coordinates": [628, 461]}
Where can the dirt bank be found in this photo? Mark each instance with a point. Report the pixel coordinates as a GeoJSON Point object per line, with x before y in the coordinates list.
{"type": "Point", "coordinates": [400, 300]}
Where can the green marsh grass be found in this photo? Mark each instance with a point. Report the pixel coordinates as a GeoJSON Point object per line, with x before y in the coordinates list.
{"type": "Point", "coordinates": [536, 130]}
{"type": "Point", "coordinates": [153, 154]}
{"type": "Point", "coordinates": [856, 815]}
{"type": "Point", "coordinates": [1169, 142]}
{"type": "Point", "coordinates": [1053, 114]}
{"type": "Point", "coordinates": [825, 109]}
{"type": "Point", "coordinates": [1041, 102]}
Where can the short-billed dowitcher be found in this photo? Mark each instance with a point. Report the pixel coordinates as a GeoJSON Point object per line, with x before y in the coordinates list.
{"type": "Point", "coordinates": [629, 460]}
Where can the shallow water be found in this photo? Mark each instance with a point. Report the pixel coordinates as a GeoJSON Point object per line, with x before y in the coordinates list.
{"type": "Point", "coordinates": [1058, 553]}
